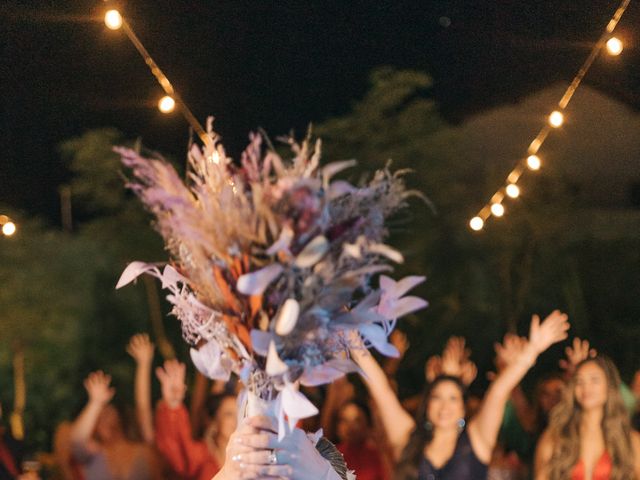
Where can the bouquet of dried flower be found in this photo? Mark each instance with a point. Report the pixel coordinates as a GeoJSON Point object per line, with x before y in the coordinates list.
{"type": "Point", "coordinates": [273, 264]}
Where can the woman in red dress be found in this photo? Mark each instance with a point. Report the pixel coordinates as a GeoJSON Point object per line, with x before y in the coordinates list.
{"type": "Point", "coordinates": [191, 459]}
{"type": "Point", "coordinates": [589, 435]}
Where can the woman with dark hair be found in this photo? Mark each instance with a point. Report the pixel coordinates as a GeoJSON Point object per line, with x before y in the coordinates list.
{"type": "Point", "coordinates": [438, 445]}
{"type": "Point", "coordinates": [589, 434]}
{"type": "Point", "coordinates": [353, 429]}
{"type": "Point", "coordinates": [187, 457]}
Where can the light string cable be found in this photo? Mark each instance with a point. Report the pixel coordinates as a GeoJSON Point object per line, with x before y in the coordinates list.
{"type": "Point", "coordinates": [115, 21]}
{"type": "Point", "coordinates": [532, 162]}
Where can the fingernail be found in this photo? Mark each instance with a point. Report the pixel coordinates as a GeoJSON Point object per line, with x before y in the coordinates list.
{"type": "Point", "coordinates": [236, 458]}
{"type": "Point", "coordinates": [238, 440]}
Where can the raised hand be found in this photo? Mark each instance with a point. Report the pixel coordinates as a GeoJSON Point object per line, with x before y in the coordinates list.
{"type": "Point", "coordinates": [552, 330]}
{"type": "Point", "coordinates": [577, 352]}
{"type": "Point", "coordinates": [172, 382]}
{"type": "Point", "coordinates": [433, 368]}
{"type": "Point", "coordinates": [455, 360]}
{"type": "Point", "coordinates": [468, 373]}
{"type": "Point", "coordinates": [98, 389]}
{"type": "Point", "coordinates": [141, 348]}
{"type": "Point", "coordinates": [507, 352]}
{"type": "Point", "coordinates": [399, 340]}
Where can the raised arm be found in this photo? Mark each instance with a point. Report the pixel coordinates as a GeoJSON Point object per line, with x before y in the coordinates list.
{"type": "Point", "coordinates": [577, 352]}
{"type": "Point", "coordinates": [484, 427]}
{"type": "Point", "coordinates": [100, 394]}
{"type": "Point", "coordinates": [391, 364]}
{"type": "Point", "coordinates": [456, 361]}
{"type": "Point", "coordinates": [397, 423]}
{"type": "Point", "coordinates": [141, 349]}
{"type": "Point", "coordinates": [505, 354]}
{"type": "Point", "coordinates": [173, 432]}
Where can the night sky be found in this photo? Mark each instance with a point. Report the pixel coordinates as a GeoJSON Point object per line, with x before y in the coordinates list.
{"type": "Point", "coordinates": [277, 65]}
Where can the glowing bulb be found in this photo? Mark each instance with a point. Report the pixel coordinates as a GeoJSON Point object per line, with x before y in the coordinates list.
{"type": "Point", "coordinates": [513, 190]}
{"type": "Point", "coordinates": [476, 223]}
{"type": "Point", "coordinates": [167, 104]}
{"type": "Point", "coordinates": [9, 229]}
{"type": "Point", "coordinates": [497, 209]}
{"type": "Point", "coordinates": [556, 119]}
{"type": "Point", "coordinates": [533, 162]}
{"type": "Point", "coordinates": [113, 19]}
{"type": "Point", "coordinates": [614, 46]}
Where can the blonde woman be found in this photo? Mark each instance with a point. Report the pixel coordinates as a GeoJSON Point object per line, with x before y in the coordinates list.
{"type": "Point", "coordinates": [589, 436]}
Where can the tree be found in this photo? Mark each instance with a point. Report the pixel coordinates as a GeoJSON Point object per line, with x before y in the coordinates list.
{"type": "Point", "coordinates": [479, 284]}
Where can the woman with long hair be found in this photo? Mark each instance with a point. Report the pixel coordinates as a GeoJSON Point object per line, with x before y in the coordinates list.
{"type": "Point", "coordinates": [437, 445]}
{"type": "Point", "coordinates": [589, 436]}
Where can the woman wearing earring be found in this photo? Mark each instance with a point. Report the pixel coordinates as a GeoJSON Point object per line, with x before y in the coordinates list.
{"type": "Point", "coordinates": [437, 445]}
{"type": "Point", "coordinates": [589, 434]}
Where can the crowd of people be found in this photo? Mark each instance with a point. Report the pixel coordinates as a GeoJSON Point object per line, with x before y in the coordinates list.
{"type": "Point", "coordinates": [578, 423]}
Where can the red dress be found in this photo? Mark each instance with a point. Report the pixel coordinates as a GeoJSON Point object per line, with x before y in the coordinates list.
{"type": "Point", "coordinates": [601, 471]}
{"type": "Point", "coordinates": [187, 457]}
{"type": "Point", "coordinates": [364, 460]}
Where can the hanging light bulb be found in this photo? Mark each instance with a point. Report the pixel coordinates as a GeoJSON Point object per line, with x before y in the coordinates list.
{"type": "Point", "coordinates": [614, 46]}
{"type": "Point", "coordinates": [497, 209]}
{"type": "Point", "coordinates": [556, 119]}
{"type": "Point", "coordinates": [476, 223]}
{"type": "Point", "coordinates": [113, 19]}
{"type": "Point", "coordinates": [513, 190]}
{"type": "Point", "coordinates": [533, 162]}
{"type": "Point", "coordinates": [9, 229]}
{"type": "Point", "coordinates": [167, 104]}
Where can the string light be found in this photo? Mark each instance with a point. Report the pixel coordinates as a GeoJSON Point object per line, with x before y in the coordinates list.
{"type": "Point", "coordinates": [113, 19]}
{"type": "Point", "coordinates": [512, 190]}
{"type": "Point", "coordinates": [476, 224]}
{"type": "Point", "coordinates": [167, 104]}
{"type": "Point", "coordinates": [556, 119]}
{"type": "Point", "coordinates": [497, 210]}
{"type": "Point", "coordinates": [533, 162]}
{"type": "Point", "coordinates": [9, 229]}
{"type": "Point", "coordinates": [614, 46]}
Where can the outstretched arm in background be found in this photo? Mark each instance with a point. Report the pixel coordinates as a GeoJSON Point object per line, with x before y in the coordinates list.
{"type": "Point", "coordinates": [100, 394]}
{"type": "Point", "coordinates": [577, 352]}
{"type": "Point", "coordinates": [455, 361]}
{"type": "Point", "coordinates": [397, 423]}
{"type": "Point", "coordinates": [484, 427]}
{"type": "Point", "coordinates": [391, 364]}
{"type": "Point", "coordinates": [141, 349]}
{"type": "Point", "coordinates": [173, 431]}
